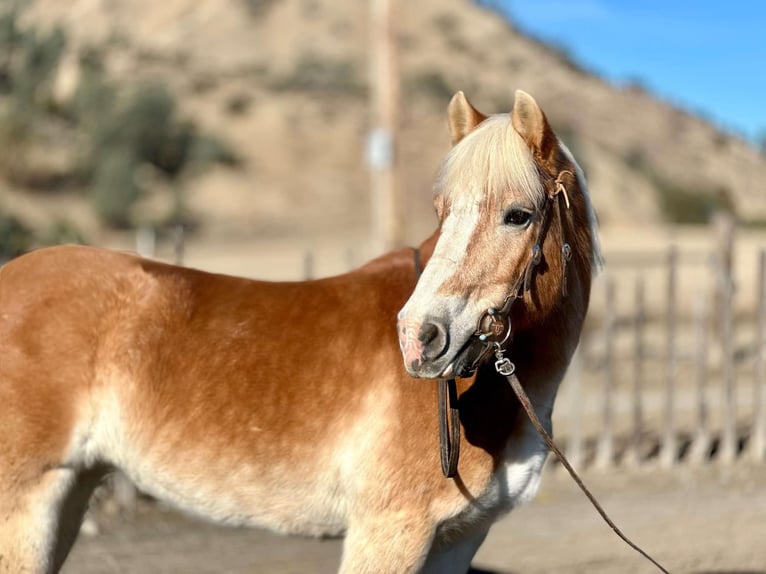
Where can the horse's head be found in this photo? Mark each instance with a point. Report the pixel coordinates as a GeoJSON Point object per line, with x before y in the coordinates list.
{"type": "Point", "coordinates": [507, 186]}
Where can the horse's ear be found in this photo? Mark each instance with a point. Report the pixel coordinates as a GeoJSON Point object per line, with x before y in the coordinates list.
{"type": "Point", "coordinates": [530, 123]}
{"type": "Point", "coordinates": [463, 117]}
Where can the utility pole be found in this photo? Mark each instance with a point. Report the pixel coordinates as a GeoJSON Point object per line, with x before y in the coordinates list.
{"type": "Point", "coordinates": [387, 232]}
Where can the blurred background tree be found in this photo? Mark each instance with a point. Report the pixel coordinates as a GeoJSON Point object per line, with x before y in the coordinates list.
{"type": "Point", "coordinates": [99, 140]}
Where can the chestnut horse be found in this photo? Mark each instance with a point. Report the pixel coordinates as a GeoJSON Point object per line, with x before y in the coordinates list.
{"type": "Point", "coordinates": [286, 405]}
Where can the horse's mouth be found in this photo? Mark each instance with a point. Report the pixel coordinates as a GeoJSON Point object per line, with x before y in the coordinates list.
{"type": "Point", "coordinates": [466, 360]}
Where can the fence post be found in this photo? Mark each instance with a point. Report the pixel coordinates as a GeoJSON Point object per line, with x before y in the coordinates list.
{"type": "Point", "coordinates": [146, 241]}
{"type": "Point", "coordinates": [179, 244]}
{"type": "Point", "coordinates": [308, 264]}
{"type": "Point", "coordinates": [605, 447]}
{"type": "Point", "coordinates": [633, 454]}
{"type": "Point", "coordinates": [350, 258]}
{"type": "Point", "coordinates": [574, 382]}
{"type": "Point", "coordinates": [668, 448]}
{"type": "Point", "coordinates": [728, 450]}
{"type": "Point", "coordinates": [700, 447]}
{"type": "Point", "coordinates": [757, 445]}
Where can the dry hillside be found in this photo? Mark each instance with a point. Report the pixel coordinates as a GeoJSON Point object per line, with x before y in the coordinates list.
{"type": "Point", "coordinates": [284, 82]}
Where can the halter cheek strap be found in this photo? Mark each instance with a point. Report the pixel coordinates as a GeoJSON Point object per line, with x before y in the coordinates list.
{"type": "Point", "coordinates": [495, 325]}
{"type": "Point", "coordinates": [494, 328]}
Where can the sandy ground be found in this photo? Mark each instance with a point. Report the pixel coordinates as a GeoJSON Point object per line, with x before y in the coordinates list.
{"type": "Point", "coordinates": [694, 520]}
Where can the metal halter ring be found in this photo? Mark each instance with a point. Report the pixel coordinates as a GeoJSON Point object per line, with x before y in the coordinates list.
{"type": "Point", "coordinates": [537, 255]}
{"type": "Point", "coordinates": [566, 251]}
{"type": "Point", "coordinates": [489, 336]}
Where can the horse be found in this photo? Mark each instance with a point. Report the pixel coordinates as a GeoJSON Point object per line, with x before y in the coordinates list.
{"type": "Point", "coordinates": [295, 406]}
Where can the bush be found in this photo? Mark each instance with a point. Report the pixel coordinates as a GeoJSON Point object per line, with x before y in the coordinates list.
{"type": "Point", "coordinates": [430, 84]}
{"type": "Point", "coordinates": [682, 204]}
{"type": "Point", "coordinates": [678, 202]}
{"type": "Point", "coordinates": [142, 129]}
{"type": "Point", "coordinates": [314, 74]}
{"type": "Point", "coordinates": [114, 190]}
{"type": "Point", "coordinates": [15, 238]}
{"type": "Point", "coordinates": [115, 131]}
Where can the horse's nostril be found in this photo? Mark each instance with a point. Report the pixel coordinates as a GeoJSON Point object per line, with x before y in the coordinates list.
{"type": "Point", "coordinates": [433, 336]}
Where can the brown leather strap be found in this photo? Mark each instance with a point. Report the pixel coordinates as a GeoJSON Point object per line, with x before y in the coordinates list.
{"type": "Point", "coordinates": [526, 403]}
{"type": "Point", "coordinates": [449, 427]}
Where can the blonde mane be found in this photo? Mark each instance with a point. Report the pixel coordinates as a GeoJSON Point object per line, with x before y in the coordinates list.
{"type": "Point", "coordinates": [486, 163]}
{"type": "Point", "coordinates": [494, 158]}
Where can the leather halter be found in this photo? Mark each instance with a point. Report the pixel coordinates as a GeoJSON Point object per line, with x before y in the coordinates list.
{"type": "Point", "coordinates": [494, 328]}
{"type": "Point", "coordinates": [495, 325]}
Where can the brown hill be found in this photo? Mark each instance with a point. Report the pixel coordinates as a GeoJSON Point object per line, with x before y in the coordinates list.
{"type": "Point", "coordinates": [285, 83]}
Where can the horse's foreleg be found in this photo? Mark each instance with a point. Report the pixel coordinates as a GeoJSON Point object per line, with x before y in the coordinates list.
{"type": "Point", "coordinates": [456, 558]}
{"type": "Point", "coordinates": [390, 542]}
{"type": "Point", "coordinates": [40, 519]}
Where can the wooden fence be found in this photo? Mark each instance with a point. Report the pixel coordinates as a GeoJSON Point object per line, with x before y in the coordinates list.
{"type": "Point", "coordinates": [681, 381]}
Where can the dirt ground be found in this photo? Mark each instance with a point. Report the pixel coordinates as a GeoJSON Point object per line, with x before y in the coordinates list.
{"type": "Point", "coordinates": [694, 520]}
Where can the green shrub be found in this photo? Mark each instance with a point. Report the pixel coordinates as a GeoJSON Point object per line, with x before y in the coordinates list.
{"type": "Point", "coordinates": [327, 75]}
{"type": "Point", "coordinates": [40, 57]}
{"type": "Point", "coordinates": [431, 84]}
{"type": "Point", "coordinates": [682, 204]}
{"type": "Point", "coordinates": [114, 190]}
{"type": "Point", "coordinates": [137, 130]}
{"type": "Point", "coordinates": [115, 130]}
{"type": "Point", "coordinates": [679, 202]}
{"type": "Point", "coordinates": [15, 237]}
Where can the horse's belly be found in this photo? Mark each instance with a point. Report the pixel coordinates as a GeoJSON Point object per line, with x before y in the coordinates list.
{"type": "Point", "coordinates": [308, 505]}
{"type": "Point", "coordinates": [234, 481]}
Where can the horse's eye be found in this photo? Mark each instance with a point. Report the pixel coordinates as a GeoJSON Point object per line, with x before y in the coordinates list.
{"type": "Point", "coordinates": [517, 217]}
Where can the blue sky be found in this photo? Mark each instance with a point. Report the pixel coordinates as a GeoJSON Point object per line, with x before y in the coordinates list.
{"type": "Point", "coordinates": [709, 57]}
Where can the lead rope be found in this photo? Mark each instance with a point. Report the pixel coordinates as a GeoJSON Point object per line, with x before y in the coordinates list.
{"type": "Point", "coordinates": [449, 415]}
{"type": "Point", "coordinates": [505, 367]}
{"type": "Point", "coordinates": [449, 427]}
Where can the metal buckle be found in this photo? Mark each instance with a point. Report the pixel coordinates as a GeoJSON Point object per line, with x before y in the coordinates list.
{"type": "Point", "coordinates": [503, 365]}
{"type": "Point", "coordinates": [537, 255]}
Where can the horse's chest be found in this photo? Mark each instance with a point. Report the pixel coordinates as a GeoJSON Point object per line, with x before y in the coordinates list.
{"type": "Point", "coordinates": [514, 482]}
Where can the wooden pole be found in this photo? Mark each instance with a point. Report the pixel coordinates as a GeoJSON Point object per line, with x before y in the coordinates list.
{"type": "Point", "coordinates": [757, 445]}
{"type": "Point", "coordinates": [308, 265]}
{"type": "Point", "coordinates": [605, 447]}
{"type": "Point", "coordinates": [381, 145]}
{"type": "Point", "coordinates": [574, 382]}
{"type": "Point", "coordinates": [633, 454]}
{"type": "Point", "coordinates": [728, 451]}
{"type": "Point", "coordinates": [146, 241]}
{"type": "Point", "coordinates": [350, 258]}
{"type": "Point", "coordinates": [669, 448]}
{"type": "Point", "coordinates": [701, 442]}
{"type": "Point", "coordinates": [179, 244]}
